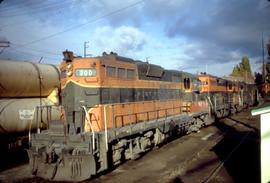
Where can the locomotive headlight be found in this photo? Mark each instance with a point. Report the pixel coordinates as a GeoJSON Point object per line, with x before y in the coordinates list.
{"type": "Point", "coordinates": [69, 69]}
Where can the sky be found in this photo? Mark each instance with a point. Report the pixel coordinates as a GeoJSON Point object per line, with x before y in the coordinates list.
{"type": "Point", "coordinates": [190, 35]}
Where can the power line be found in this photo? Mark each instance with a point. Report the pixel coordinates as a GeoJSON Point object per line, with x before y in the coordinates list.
{"type": "Point", "coordinates": [30, 54]}
{"type": "Point", "coordinates": [24, 22]}
{"type": "Point", "coordinates": [68, 29]}
{"type": "Point", "coordinates": [17, 5]}
{"type": "Point", "coordinates": [40, 11]}
{"type": "Point", "coordinates": [2, 50]}
{"type": "Point", "coordinates": [3, 45]}
{"type": "Point", "coordinates": [83, 24]}
{"type": "Point", "coordinates": [39, 8]}
{"type": "Point", "coordinates": [37, 50]}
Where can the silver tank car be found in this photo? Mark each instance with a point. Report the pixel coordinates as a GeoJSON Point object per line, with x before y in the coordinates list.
{"type": "Point", "coordinates": [14, 119]}
{"type": "Point", "coordinates": [27, 79]}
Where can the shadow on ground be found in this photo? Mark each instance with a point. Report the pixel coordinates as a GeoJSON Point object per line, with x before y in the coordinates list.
{"type": "Point", "coordinates": [242, 163]}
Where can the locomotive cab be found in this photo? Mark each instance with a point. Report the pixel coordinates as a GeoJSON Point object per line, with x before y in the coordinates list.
{"type": "Point", "coordinates": [65, 148]}
{"type": "Point", "coordinates": [197, 86]}
{"type": "Point", "coordinates": [79, 72]}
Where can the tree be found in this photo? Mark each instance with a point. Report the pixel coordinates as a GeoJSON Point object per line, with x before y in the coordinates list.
{"type": "Point", "coordinates": [243, 69]}
{"type": "Point", "coordinates": [245, 66]}
{"type": "Point", "coordinates": [268, 48]}
{"type": "Point", "coordinates": [267, 65]}
{"type": "Point", "coordinates": [236, 71]}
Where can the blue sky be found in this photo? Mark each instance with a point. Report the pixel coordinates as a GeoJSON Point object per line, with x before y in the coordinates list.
{"type": "Point", "coordinates": [189, 35]}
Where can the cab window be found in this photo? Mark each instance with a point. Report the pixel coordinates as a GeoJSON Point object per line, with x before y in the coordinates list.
{"type": "Point", "coordinates": [121, 73]}
{"type": "Point", "coordinates": [187, 83]}
{"type": "Point", "coordinates": [110, 71]}
{"type": "Point", "coordinates": [176, 79]}
{"type": "Point", "coordinates": [130, 73]}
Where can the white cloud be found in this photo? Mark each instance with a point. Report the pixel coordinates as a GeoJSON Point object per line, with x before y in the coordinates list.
{"type": "Point", "coordinates": [123, 40]}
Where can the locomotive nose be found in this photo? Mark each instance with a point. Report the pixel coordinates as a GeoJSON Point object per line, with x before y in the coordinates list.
{"type": "Point", "coordinates": [64, 167]}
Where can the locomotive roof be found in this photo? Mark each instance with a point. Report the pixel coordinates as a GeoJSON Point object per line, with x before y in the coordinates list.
{"type": "Point", "coordinates": [148, 71]}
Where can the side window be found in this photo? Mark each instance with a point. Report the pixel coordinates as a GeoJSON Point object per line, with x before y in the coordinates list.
{"type": "Point", "coordinates": [121, 73]}
{"type": "Point", "coordinates": [130, 74]}
{"type": "Point", "coordinates": [138, 94]}
{"type": "Point", "coordinates": [110, 95]}
{"type": "Point", "coordinates": [110, 71]}
{"type": "Point", "coordinates": [187, 83]}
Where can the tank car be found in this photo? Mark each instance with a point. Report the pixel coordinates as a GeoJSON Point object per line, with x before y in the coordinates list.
{"type": "Point", "coordinates": [116, 109]}
{"type": "Point", "coordinates": [27, 79]}
{"type": "Point", "coordinates": [23, 87]}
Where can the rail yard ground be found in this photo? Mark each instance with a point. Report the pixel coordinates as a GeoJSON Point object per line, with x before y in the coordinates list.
{"type": "Point", "coordinates": [228, 151]}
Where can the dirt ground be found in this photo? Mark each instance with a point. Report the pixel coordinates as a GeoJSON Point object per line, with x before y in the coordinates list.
{"type": "Point", "coordinates": [228, 151]}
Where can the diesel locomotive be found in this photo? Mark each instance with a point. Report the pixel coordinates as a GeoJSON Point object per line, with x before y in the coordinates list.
{"type": "Point", "coordinates": [116, 108]}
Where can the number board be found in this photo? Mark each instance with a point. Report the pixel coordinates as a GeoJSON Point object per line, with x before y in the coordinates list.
{"type": "Point", "coordinates": [86, 72]}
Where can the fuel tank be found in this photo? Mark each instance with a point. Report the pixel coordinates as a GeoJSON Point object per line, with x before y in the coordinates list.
{"type": "Point", "coordinates": [27, 79]}
{"type": "Point", "coordinates": [14, 114]}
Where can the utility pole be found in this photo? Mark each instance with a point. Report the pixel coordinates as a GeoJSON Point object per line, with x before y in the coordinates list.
{"type": "Point", "coordinates": [4, 44]}
{"type": "Point", "coordinates": [147, 59]}
{"type": "Point", "coordinates": [85, 45]}
{"type": "Point", "coordinates": [263, 66]}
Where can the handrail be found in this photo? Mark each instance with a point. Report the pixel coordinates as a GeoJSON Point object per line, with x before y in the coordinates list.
{"type": "Point", "coordinates": [96, 120]}
{"type": "Point", "coordinates": [92, 129]}
{"type": "Point", "coordinates": [148, 112]}
{"type": "Point", "coordinates": [38, 110]}
{"type": "Point", "coordinates": [30, 127]}
{"type": "Point", "coordinates": [105, 125]}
